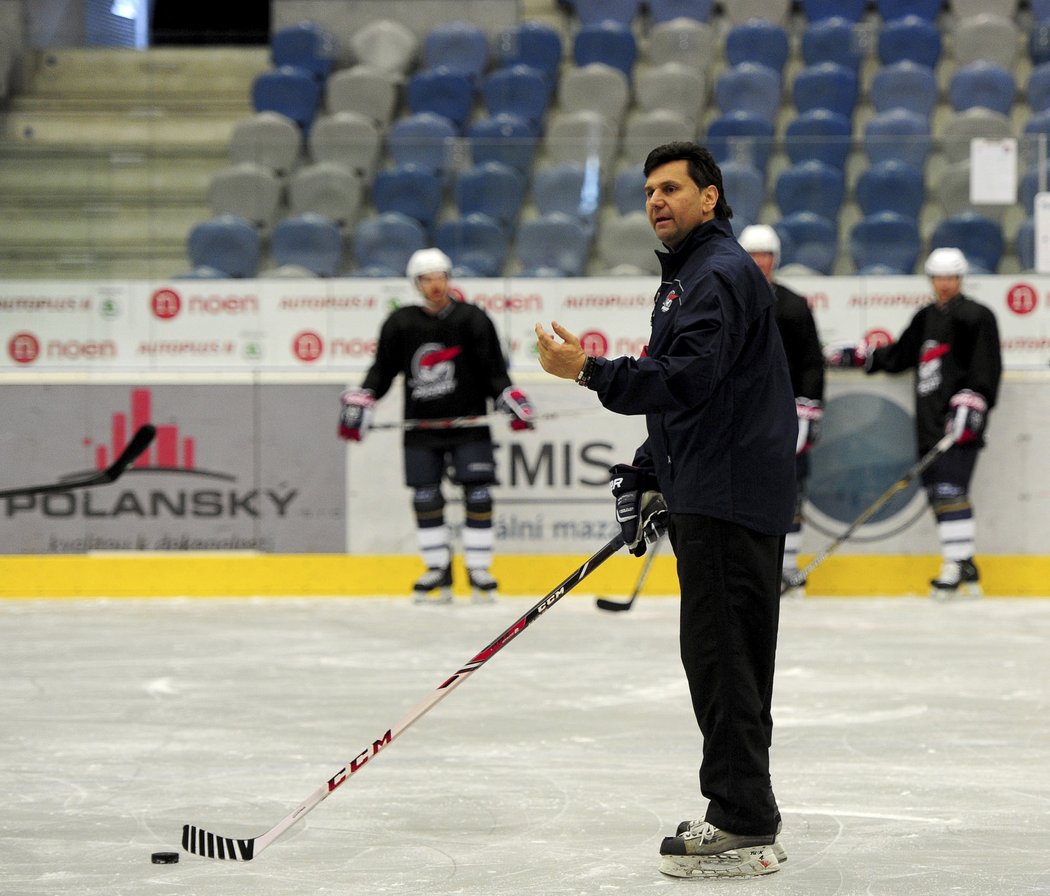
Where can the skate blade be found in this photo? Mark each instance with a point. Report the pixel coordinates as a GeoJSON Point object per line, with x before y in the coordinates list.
{"type": "Point", "coordinates": [483, 597]}
{"type": "Point", "coordinates": [749, 862]}
{"type": "Point", "coordinates": [442, 596]}
{"type": "Point", "coordinates": [965, 591]}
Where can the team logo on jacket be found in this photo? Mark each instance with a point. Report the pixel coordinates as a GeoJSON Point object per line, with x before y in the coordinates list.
{"type": "Point", "coordinates": [668, 299]}
{"type": "Point", "coordinates": [434, 371]}
{"type": "Point", "coordinates": [930, 370]}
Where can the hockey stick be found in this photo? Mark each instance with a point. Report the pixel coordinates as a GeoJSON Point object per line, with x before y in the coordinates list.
{"type": "Point", "coordinates": [139, 442]}
{"type": "Point", "coordinates": [616, 606]}
{"type": "Point", "coordinates": [214, 846]}
{"type": "Point", "coordinates": [476, 420]}
{"type": "Point", "coordinates": [928, 458]}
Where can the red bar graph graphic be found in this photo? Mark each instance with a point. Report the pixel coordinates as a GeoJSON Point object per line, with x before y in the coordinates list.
{"type": "Point", "coordinates": [163, 454]}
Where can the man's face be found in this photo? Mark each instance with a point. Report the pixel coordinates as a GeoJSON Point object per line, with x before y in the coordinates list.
{"type": "Point", "coordinates": [434, 290]}
{"type": "Point", "coordinates": [945, 288]}
{"type": "Point", "coordinates": [675, 204]}
{"type": "Point", "coordinates": [764, 260]}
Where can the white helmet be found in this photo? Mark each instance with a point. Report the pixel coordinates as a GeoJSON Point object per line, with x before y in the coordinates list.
{"type": "Point", "coordinates": [428, 261]}
{"type": "Point", "coordinates": [946, 262]}
{"type": "Point", "coordinates": [761, 238]}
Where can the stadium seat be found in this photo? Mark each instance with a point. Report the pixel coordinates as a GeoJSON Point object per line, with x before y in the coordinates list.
{"type": "Point", "coordinates": [286, 271]}
{"type": "Point", "coordinates": [476, 242]}
{"type": "Point", "coordinates": [505, 138]}
{"type": "Point", "coordinates": [307, 45]}
{"type": "Point", "coordinates": [386, 45]}
{"type": "Point", "coordinates": [442, 91]}
{"type": "Point", "coordinates": [745, 192]}
{"type": "Point", "coordinates": [885, 242]}
{"type": "Point", "coordinates": [963, 9]}
{"type": "Point", "coordinates": [606, 41]}
{"type": "Point", "coordinates": [628, 240]}
{"type": "Point", "coordinates": [628, 190]}
{"type": "Point", "coordinates": [891, 186]}
{"type": "Point", "coordinates": [952, 192]}
{"type": "Point", "coordinates": [810, 186]}
{"type": "Point", "coordinates": [826, 85]}
{"type": "Point", "coordinates": [387, 241]}
{"type": "Point", "coordinates": [422, 139]}
{"type": "Point", "coordinates": [833, 39]}
{"type": "Point", "coordinates": [1040, 10]}
{"type": "Point", "coordinates": [553, 243]}
{"type": "Point", "coordinates": [227, 243]}
{"type": "Point", "coordinates": [294, 92]}
{"type": "Point", "coordinates": [668, 10]}
{"type": "Point", "coordinates": [983, 84]}
{"type": "Point", "coordinates": [328, 189]}
{"type": "Point", "coordinates": [579, 136]}
{"type": "Point", "coordinates": [818, 134]}
{"type": "Point", "coordinates": [909, 39]}
{"type": "Point", "coordinates": [517, 90]}
{"type": "Point", "coordinates": [1024, 243]}
{"type": "Point", "coordinates": [349, 139]}
{"type": "Point", "coordinates": [645, 129]}
{"type": "Point", "coordinates": [748, 87]}
{"type": "Point", "coordinates": [672, 85]}
{"type": "Point", "coordinates": [891, 10]}
{"type": "Point", "coordinates": [248, 190]}
{"type": "Point", "coordinates": [411, 190]}
{"type": "Point", "coordinates": [532, 43]}
{"type": "Point", "coordinates": [743, 10]}
{"type": "Point", "coordinates": [1039, 43]}
{"type": "Point", "coordinates": [904, 85]}
{"type": "Point", "coordinates": [598, 87]}
{"type": "Point", "coordinates": [570, 188]}
{"type": "Point", "coordinates": [267, 138]}
{"type": "Point", "coordinates": [979, 237]}
{"type": "Point", "coordinates": [741, 137]}
{"type": "Point", "coordinates": [808, 240]}
{"type": "Point", "coordinates": [897, 134]}
{"type": "Point", "coordinates": [203, 273]}
{"type": "Point", "coordinates": [758, 40]}
{"type": "Point", "coordinates": [961, 127]}
{"type": "Point", "coordinates": [818, 10]}
{"type": "Point", "coordinates": [491, 189]}
{"type": "Point", "coordinates": [1038, 88]}
{"type": "Point", "coordinates": [458, 45]}
{"type": "Point", "coordinates": [594, 12]}
{"type": "Point", "coordinates": [683, 40]}
{"type": "Point", "coordinates": [1038, 125]}
{"type": "Point", "coordinates": [988, 37]}
{"type": "Point", "coordinates": [363, 90]}
{"type": "Point", "coordinates": [309, 240]}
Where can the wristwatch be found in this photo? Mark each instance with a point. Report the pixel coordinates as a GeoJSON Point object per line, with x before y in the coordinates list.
{"type": "Point", "coordinates": [585, 374]}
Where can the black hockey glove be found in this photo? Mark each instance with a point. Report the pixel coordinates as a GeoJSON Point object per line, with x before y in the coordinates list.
{"type": "Point", "coordinates": [635, 490]}
{"type": "Point", "coordinates": [967, 414]}
{"type": "Point", "coordinates": [513, 401]}
{"type": "Point", "coordinates": [846, 354]}
{"type": "Point", "coordinates": [355, 413]}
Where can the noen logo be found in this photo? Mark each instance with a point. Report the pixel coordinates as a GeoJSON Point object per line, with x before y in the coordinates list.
{"type": "Point", "coordinates": [165, 303]}
{"type": "Point", "coordinates": [23, 348]}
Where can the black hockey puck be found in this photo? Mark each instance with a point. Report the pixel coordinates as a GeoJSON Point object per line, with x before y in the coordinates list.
{"type": "Point", "coordinates": [164, 858]}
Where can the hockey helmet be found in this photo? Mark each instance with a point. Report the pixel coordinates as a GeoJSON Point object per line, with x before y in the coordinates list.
{"type": "Point", "coordinates": [428, 261]}
{"type": "Point", "coordinates": [946, 262]}
{"type": "Point", "coordinates": [761, 238]}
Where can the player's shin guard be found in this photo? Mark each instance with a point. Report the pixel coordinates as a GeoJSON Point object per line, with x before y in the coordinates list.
{"type": "Point", "coordinates": [957, 531]}
{"type": "Point", "coordinates": [431, 532]}
{"type": "Point", "coordinates": [478, 539]}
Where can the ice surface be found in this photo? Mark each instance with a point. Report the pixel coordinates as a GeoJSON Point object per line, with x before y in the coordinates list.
{"type": "Point", "coordinates": [911, 747]}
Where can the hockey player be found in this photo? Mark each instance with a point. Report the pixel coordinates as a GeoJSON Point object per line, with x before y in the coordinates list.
{"type": "Point", "coordinates": [805, 358]}
{"type": "Point", "coordinates": [452, 363]}
{"type": "Point", "coordinates": [952, 344]}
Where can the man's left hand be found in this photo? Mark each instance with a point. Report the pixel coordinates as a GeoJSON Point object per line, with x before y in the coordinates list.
{"type": "Point", "coordinates": [564, 359]}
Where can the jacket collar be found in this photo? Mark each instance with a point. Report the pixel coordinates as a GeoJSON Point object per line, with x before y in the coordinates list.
{"type": "Point", "coordinates": [672, 260]}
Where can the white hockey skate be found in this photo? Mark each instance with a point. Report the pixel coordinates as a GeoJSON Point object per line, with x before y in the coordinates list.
{"type": "Point", "coordinates": [482, 586]}
{"type": "Point", "coordinates": [957, 578]}
{"type": "Point", "coordinates": [706, 851]}
{"type": "Point", "coordinates": [434, 587]}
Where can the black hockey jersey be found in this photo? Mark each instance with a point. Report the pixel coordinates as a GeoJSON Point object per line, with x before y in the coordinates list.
{"type": "Point", "coordinates": [798, 331]}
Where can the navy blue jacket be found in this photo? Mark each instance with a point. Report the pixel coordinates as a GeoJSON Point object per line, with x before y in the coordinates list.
{"type": "Point", "coordinates": [714, 386]}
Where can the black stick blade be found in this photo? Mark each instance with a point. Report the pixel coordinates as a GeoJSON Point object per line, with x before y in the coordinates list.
{"type": "Point", "coordinates": [613, 606]}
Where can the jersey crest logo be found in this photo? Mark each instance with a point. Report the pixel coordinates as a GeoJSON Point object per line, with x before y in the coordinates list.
{"type": "Point", "coordinates": [434, 371]}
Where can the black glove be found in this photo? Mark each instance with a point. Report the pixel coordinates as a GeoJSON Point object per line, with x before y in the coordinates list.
{"type": "Point", "coordinates": [355, 413]}
{"type": "Point", "coordinates": [514, 402]}
{"type": "Point", "coordinates": [967, 414]}
{"type": "Point", "coordinates": [846, 354]}
{"type": "Point", "coordinates": [637, 511]}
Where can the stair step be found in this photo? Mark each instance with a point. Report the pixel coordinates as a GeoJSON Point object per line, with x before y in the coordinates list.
{"type": "Point", "coordinates": [136, 128]}
{"type": "Point", "coordinates": [101, 223]}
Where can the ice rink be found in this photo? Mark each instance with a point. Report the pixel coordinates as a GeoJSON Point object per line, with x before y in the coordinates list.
{"type": "Point", "coordinates": [911, 749]}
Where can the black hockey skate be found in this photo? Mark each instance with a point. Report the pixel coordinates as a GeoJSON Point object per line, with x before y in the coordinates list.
{"type": "Point", "coordinates": [957, 578]}
{"type": "Point", "coordinates": [434, 587]}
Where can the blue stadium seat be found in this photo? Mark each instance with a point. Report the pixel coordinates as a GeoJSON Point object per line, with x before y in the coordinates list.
{"type": "Point", "coordinates": [1039, 43]}
{"type": "Point", "coordinates": [518, 90]}
{"type": "Point", "coordinates": [291, 91]}
{"type": "Point", "coordinates": [476, 242]}
{"type": "Point", "coordinates": [980, 238]}
{"type": "Point", "coordinates": [748, 87]}
{"type": "Point", "coordinates": [745, 192]}
{"type": "Point", "coordinates": [505, 138]}
{"type": "Point", "coordinates": [227, 243]}
{"type": "Point", "coordinates": [816, 10]}
{"type": "Point", "coordinates": [834, 39]}
{"type": "Point", "coordinates": [388, 240]}
{"type": "Point", "coordinates": [982, 84]}
{"type": "Point", "coordinates": [594, 12]}
{"type": "Point", "coordinates": [411, 190]}
{"type": "Point", "coordinates": [309, 240]}
{"type": "Point", "coordinates": [491, 189]}
{"type": "Point", "coordinates": [628, 191]}
{"type": "Point", "coordinates": [532, 43]}
{"type": "Point", "coordinates": [306, 45]}
{"type": "Point", "coordinates": [1025, 243]}
{"type": "Point", "coordinates": [422, 139]}
{"type": "Point", "coordinates": [810, 186]}
{"type": "Point", "coordinates": [904, 85]}
{"type": "Point", "coordinates": [897, 134]}
{"type": "Point", "coordinates": [741, 137]}
{"type": "Point", "coordinates": [459, 45]}
{"type": "Point", "coordinates": [809, 240]}
{"type": "Point", "coordinates": [1040, 10]}
{"type": "Point", "coordinates": [758, 40]}
{"type": "Point", "coordinates": [818, 134]}
{"type": "Point", "coordinates": [553, 243]}
{"type": "Point", "coordinates": [668, 10]}
{"type": "Point", "coordinates": [1038, 88]}
{"type": "Point", "coordinates": [443, 91]}
{"type": "Point", "coordinates": [570, 188]}
{"type": "Point", "coordinates": [898, 9]}
{"type": "Point", "coordinates": [910, 38]}
{"type": "Point", "coordinates": [826, 85]}
{"type": "Point", "coordinates": [608, 42]}
{"type": "Point", "coordinates": [885, 242]}
{"type": "Point", "coordinates": [891, 186]}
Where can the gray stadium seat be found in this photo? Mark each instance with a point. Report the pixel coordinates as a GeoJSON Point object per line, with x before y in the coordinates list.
{"type": "Point", "coordinates": [364, 90]}
{"type": "Point", "coordinates": [327, 189]}
{"type": "Point", "coordinates": [952, 192]}
{"type": "Point", "coordinates": [386, 45]}
{"type": "Point", "coordinates": [993, 38]}
{"type": "Point", "coordinates": [349, 139]}
{"type": "Point", "coordinates": [578, 136]}
{"type": "Point", "coordinates": [961, 127]}
{"type": "Point", "coordinates": [741, 10]}
{"type": "Point", "coordinates": [267, 138]}
{"type": "Point", "coordinates": [628, 239]}
{"type": "Point", "coordinates": [647, 128]}
{"type": "Point", "coordinates": [598, 87]}
{"type": "Point", "coordinates": [248, 190]}
{"type": "Point", "coordinates": [672, 85]}
{"type": "Point", "coordinates": [684, 40]}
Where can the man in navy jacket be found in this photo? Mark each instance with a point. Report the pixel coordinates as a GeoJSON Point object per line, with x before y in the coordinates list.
{"type": "Point", "coordinates": [716, 392]}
